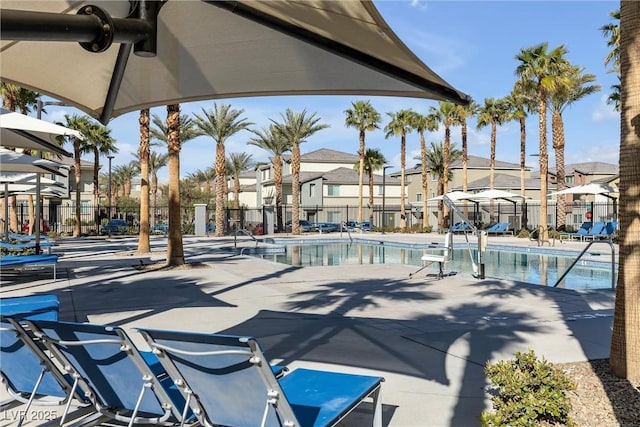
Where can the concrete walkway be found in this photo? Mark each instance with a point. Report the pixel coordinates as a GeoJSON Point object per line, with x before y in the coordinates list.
{"type": "Point", "coordinates": [429, 338]}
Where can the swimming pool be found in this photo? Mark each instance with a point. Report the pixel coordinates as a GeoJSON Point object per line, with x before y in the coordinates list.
{"type": "Point", "coordinates": [524, 264]}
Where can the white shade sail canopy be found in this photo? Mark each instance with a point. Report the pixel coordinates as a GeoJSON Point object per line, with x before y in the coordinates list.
{"type": "Point", "coordinates": [455, 196]}
{"type": "Point", "coordinates": [591, 188]}
{"type": "Point", "coordinates": [498, 194]}
{"type": "Point", "coordinates": [45, 190]}
{"type": "Point", "coordinates": [12, 161]}
{"type": "Point", "coordinates": [217, 49]}
{"type": "Point", "coordinates": [21, 131]}
{"type": "Point", "coordinates": [26, 178]}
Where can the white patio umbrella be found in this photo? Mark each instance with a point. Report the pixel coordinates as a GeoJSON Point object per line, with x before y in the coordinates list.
{"type": "Point", "coordinates": [179, 51]}
{"type": "Point", "coordinates": [21, 131]}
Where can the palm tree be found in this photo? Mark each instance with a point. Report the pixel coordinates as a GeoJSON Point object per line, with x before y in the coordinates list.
{"type": "Point", "coordinates": [400, 124]}
{"type": "Point", "coordinates": [365, 118]}
{"type": "Point", "coordinates": [463, 113]}
{"type": "Point", "coordinates": [435, 157]}
{"type": "Point", "coordinates": [85, 126]}
{"type": "Point", "coordinates": [220, 123]}
{"type": "Point", "coordinates": [271, 140]}
{"type": "Point", "coordinates": [625, 340]}
{"type": "Point", "coordinates": [447, 115]}
{"type": "Point", "coordinates": [99, 142]}
{"type": "Point", "coordinates": [237, 164]}
{"type": "Point", "coordinates": [144, 150]}
{"type": "Point", "coordinates": [177, 130]}
{"type": "Point", "coordinates": [295, 128]}
{"type": "Point", "coordinates": [373, 160]}
{"type": "Point", "coordinates": [422, 123]}
{"type": "Point", "coordinates": [540, 68]}
{"type": "Point", "coordinates": [175, 248]}
{"type": "Point", "coordinates": [612, 32]}
{"type": "Point", "coordinates": [575, 88]}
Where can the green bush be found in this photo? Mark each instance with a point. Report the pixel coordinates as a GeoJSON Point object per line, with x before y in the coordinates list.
{"type": "Point", "coordinates": [553, 234]}
{"type": "Point", "coordinates": [524, 234]}
{"type": "Point", "coordinates": [527, 392]}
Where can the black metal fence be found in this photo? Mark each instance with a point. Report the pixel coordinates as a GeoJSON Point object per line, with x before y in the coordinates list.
{"type": "Point", "coordinates": [62, 218]}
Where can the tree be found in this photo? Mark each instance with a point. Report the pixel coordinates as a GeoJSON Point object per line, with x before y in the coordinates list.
{"type": "Point", "coordinates": [625, 341]}
{"type": "Point", "coordinates": [422, 123]}
{"type": "Point", "coordinates": [99, 142]}
{"type": "Point", "coordinates": [296, 128]}
{"type": "Point", "coordinates": [144, 151]}
{"type": "Point", "coordinates": [86, 127]}
{"type": "Point", "coordinates": [220, 123]}
{"type": "Point", "coordinates": [435, 157]}
{"type": "Point", "coordinates": [400, 124]}
{"type": "Point", "coordinates": [237, 164]}
{"type": "Point", "coordinates": [612, 32]}
{"type": "Point", "coordinates": [174, 132]}
{"type": "Point", "coordinates": [539, 68]}
{"type": "Point", "coordinates": [463, 113]}
{"type": "Point", "coordinates": [271, 140]}
{"type": "Point", "coordinates": [575, 86]}
{"type": "Point", "coordinates": [373, 160]}
{"type": "Point", "coordinates": [365, 118]}
{"type": "Point", "coordinates": [175, 248]}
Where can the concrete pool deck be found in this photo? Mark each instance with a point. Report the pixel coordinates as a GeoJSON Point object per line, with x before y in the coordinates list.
{"type": "Point", "coordinates": [429, 338]}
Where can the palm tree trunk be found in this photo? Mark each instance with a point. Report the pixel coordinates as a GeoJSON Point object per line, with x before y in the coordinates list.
{"type": "Point", "coordinates": [445, 173]}
{"type": "Point", "coordinates": [465, 161]}
{"type": "Point", "coordinates": [544, 163]}
{"type": "Point", "coordinates": [361, 176]}
{"type": "Point", "coordinates": [32, 214]}
{"type": "Point", "coordinates": [277, 181]}
{"type": "Point", "coordinates": [370, 197]}
{"type": "Point", "coordinates": [96, 187]}
{"type": "Point", "coordinates": [625, 341]}
{"type": "Point", "coordinates": [77, 229]}
{"type": "Point", "coordinates": [220, 189]}
{"type": "Point", "coordinates": [557, 135]}
{"type": "Point", "coordinates": [492, 170]}
{"type": "Point", "coordinates": [403, 154]}
{"type": "Point", "coordinates": [144, 245]}
{"type": "Point", "coordinates": [295, 188]}
{"type": "Point", "coordinates": [425, 181]}
{"type": "Point", "coordinates": [175, 250]}
{"type": "Point", "coordinates": [13, 214]}
{"type": "Point", "coordinates": [523, 157]}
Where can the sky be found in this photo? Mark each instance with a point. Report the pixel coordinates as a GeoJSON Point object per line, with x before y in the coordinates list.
{"type": "Point", "coordinates": [470, 44]}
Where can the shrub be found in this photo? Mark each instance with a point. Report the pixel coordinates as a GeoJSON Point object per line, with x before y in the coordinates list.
{"type": "Point", "coordinates": [553, 234]}
{"type": "Point", "coordinates": [527, 392]}
{"type": "Point", "coordinates": [524, 234]}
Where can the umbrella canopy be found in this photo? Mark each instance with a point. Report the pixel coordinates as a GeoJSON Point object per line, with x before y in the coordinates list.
{"type": "Point", "coordinates": [179, 51]}
{"type": "Point", "coordinates": [455, 196]}
{"type": "Point", "coordinates": [591, 188]}
{"type": "Point", "coordinates": [26, 178]}
{"type": "Point", "coordinates": [21, 131]}
{"type": "Point", "coordinates": [45, 190]}
{"type": "Point", "coordinates": [497, 194]}
{"type": "Point", "coordinates": [12, 161]}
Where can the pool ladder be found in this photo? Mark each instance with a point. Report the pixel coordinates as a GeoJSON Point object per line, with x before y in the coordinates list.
{"type": "Point", "coordinates": [613, 262]}
{"type": "Point", "coordinates": [246, 233]}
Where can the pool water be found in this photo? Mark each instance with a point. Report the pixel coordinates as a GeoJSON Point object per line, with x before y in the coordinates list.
{"type": "Point", "coordinates": [531, 267]}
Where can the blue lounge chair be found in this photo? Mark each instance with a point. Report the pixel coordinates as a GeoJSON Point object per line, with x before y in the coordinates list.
{"type": "Point", "coordinates": [122, 383]}
{"type": "Point", "coordinates": [27, 261]}
{"type": "Point", "coordinates": [499, 228]}
{"type": "Point", "coordinates": [19, 247]}
{"type": "Point", "coordinates": [595, 231]}
{"type": "Point", "coordinates": [26, 372]}
{"type": "Point", "coordinates": [226, 380]}
{"type": "Point", "coordinates": [582, 231]}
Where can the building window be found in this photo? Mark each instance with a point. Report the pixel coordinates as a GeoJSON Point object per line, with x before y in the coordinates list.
{"type": "Point", "coordinates": [84, 207]}
{"type": "Point", "coordinates": [333, 190]}
{"type": "Point", "coordinates": [312, 190]}
{"type": "Point", "coordinates": [334, 216]}
{"type": "Point", "coordinates": [380, 190]}
{"type": "Point", "coordinates": [434, 178]}
{"type": "Point", "coordinates": [418, 197]}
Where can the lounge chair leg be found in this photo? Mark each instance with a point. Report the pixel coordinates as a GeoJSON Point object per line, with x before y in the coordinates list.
{"type": "Point", "coordinates": [186, 409]}
{"type": "Point", "coordinates": [145, 386]}
{"type": "Point", "coordinates": [377, 408]}
{"type": "Point", "coordinates": [33, 395]}
{"type": "Point", "coordinates": [66, 407]}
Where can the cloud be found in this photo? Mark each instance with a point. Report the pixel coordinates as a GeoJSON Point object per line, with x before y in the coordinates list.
{"type": "Point", "coordinates": [419, 4]}
{"type": "Point", "coordinates": [604, 111]}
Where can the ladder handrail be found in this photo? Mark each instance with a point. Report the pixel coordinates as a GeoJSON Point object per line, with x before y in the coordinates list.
{"type": "Point", "coordinates": [613, 262]}
{"type": "Point", "coordinates": [245, 232]}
